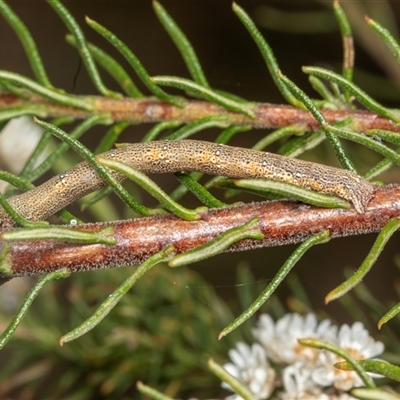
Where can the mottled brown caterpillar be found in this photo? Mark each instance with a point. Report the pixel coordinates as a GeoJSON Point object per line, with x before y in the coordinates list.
{"type": "Point", "coordinates": [190, 155]}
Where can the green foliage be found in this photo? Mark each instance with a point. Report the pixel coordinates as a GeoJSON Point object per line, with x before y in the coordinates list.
{"type": "Point", "coordinates": [161, 332]}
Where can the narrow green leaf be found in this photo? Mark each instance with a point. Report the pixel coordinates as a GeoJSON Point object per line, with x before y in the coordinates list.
{"type": "Point", "coordinates": [83, 49]}
{"type": "Point", "coordinates": [384, 368]}
{"type": "Point", "coordinates": [69, 235]}
{"type": "Point", "coordinates": [13, 112]}
{"type": "Point", "coordinates": [297, 146]}
{"type": "Point", "coordinates": [182, 43]}
{"type": "Point", "coordinates": [67, 218]}
{"type": "Point", "coordinates": [134, 62]}
{"type": "Point", "coordinates": [380, 168]}
{"type": "Point", "coordinates": [386, 233]}
{"type": "Point", "coordinates": [365, 141]}
{"type": "Point", "coordinates": [249, 230]}
{"type": "Point", "coordinates": [6, 269]}
{"type": "Point", "coordinates": [102, 171]}
{"type": "Point", "coordinates": [199, 191]}
{"type": "Point", "coordinates": [51, 94]}
{"type": "Point", "coordinates": [319, 238]}
{"type": "Point", "coordinates": [150, 186]}
{"type": "Point", "coordinates": [28, 43]}
{"type": "Point", "coordinates": [109, 139]}
{"type": "Point", "coordinates": [214, 121]}
{"type": "Point", "coordinates": [374, 394]}
{"type": "Point", "coordinates": [205, 93]}
{"type": "Point", "coordinates": [150, 392]}
{"type": "Point", "coordinates": [42, 145]}
{"type": "Point", "coordinates": [324, 92]}
{"type": "Point", "coordinates": [21, 221]}
{"type": "Point", "coordinates": [386, 36]}
{"type": "Point", "coordinates": [319, 344]}
{"type": "Point", "coordinates": [113, 67]}
{"type": "Point", "coordinates": [266, 53]}
{"type": "Point", "coordinates": [233, 382]}
{"type": "Point", "coordinates": [359, 94]}
{"type": "Point", "coordinates": [291, 191]}
{"type": "Point", "coordinates": [348, 43]}
{"type": "Point", "coordinates": [95, 198]}
{"type": "Point", "coordinates": [17, 181]}
{"type": "Point", "coordinates": [82, 128]}
{"type": "Point", "coordinates": [157, 129]}
{"type": "Point", "coordinates": [388, 136]}
{"type": "Point", "coordinates": [389, 315]}
{"type": "Point", "coordinates": [227, 134]}
{"type": "Point", "coordinates": [277, 135]}
{"type": "Point", "coordinates": [6, 335]}
{"type": "Point", "coordinates": [116, 296]}
{"type": "Point", "coordinates": [334, 141]}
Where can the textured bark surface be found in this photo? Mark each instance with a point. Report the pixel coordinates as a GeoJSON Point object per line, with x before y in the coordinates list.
{"type": "Point", "coordinates": [281, 222]}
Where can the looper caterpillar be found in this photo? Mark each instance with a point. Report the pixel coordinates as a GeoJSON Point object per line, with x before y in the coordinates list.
{"type": "Point", "coordinates": [190, 155]}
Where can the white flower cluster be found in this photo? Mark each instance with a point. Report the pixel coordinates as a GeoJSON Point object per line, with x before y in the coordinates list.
{"type": "Point", "coordinates": [305, 372]}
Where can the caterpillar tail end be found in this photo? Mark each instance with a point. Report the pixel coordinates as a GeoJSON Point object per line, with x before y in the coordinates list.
{"type": "Point", "coordinates": [362, 196]}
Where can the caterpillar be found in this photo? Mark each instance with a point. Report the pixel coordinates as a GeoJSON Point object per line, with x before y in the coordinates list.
{"type": "Point", "coordinates": [190, 155]}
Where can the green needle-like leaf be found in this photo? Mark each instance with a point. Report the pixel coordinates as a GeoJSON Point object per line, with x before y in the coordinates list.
{"type": "Point", "coordinates": [6, 335]}
{"type": "Point", "coordinates": [82, 128]}
{"type": "Point", "coordinates": [214, 121]}
{"type": "Point", "coordinates": [133, 61]}
{"type": "Point", "coordinates": [182, 43]}
{"type": "Point", "coordinates": [319, 238]}
{"type": "Point", "coordinates": [277, 135]}
{"type": "Point", "coordinates": [205, 93]}
{"type": "Point", "coordinates": [117, 295]}
{"type": "Point", "coordinates": [102, 171]}
{"type": "Point", "coordinates": [16, 181]}
{"type": "Point", "coordinates": [28, 43]}
{"type": "Point", "coordinates": [249, 230]}
{"type": "Point", "coordinates": [334, 141]}
{"type": "Point", "coordinates": [386, 36]}
{"type": "Point", "coordinates": [51, 94]}
{"type": "Point", "coordinates": [157, 129]}
{"type": "Point", "coordinates": [109, 139]}
{"type": "Point", "coordinates": [75, 29]}
{"type": "Point", "coordinates": [199, 191]}
{"type": "Point", "coordinates": [380, 242]}
{"type": "Point", "coordinates": [319, 344]}
{"type": "Point", "coordinates": [360, 95]}
{"type": "Point", "coordinates": [347, 38]}
{"type": "Point", "coordinates": [374, 366]}
{"type": "Point", "coordinates": [114, 68]}
{"type": "Point", "coordinates": [374, 394]}
{"type": "Point", "coordinates": [21, 221]}
{"type": "Point", "coordinates": [151, 393]}
{"type": "Point", "coordinates": [266, 53]}
{"type": "Point", "coordinates": [239, 388]}
{"type": "Point", "coordinates": [365, 141]}
{"type": "Point", "coordinates": [291, 191]}
{"type": "Point", "coordinates": [69, 235]}
{"type": "Point", "coordinates": [389, 315]}
{"type": "Point", "coordinates": [150, 186]}
{"type": "Point", "coordinates": [13, 112]}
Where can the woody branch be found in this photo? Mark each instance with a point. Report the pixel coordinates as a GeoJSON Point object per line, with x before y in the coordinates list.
{"type": "Point", "coordinates": [281, 222]}
{"type": "Point", "coordinates": [151, 110]}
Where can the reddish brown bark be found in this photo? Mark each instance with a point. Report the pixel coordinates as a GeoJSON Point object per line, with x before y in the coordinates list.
{"type": "Point", "coordinates": [152, 110]}
{"type": "Point", "coordinates": [282, 222]}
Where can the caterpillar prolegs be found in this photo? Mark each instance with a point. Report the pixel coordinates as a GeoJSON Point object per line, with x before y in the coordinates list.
{"type": "Point", "coordinates": [190, 155]}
